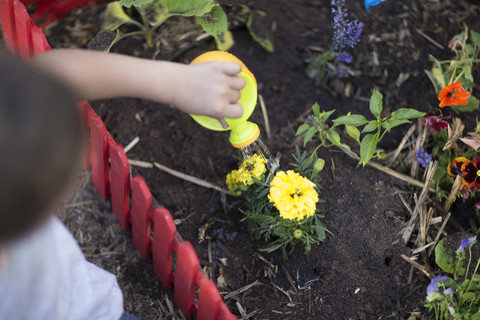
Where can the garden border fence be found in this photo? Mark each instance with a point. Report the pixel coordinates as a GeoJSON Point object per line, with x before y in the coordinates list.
{"type": "Point", "coordinates": [153, 230]}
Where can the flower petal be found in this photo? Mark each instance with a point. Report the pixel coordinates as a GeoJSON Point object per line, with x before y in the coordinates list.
{"type": "Point", "coordinates": [469, 172]}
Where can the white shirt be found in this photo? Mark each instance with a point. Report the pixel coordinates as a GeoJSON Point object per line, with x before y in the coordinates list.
{"type": "Point", "coordinates": [46, 276]}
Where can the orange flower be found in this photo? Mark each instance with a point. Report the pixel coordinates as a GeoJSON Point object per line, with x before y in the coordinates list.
{"type": "Point", "coordinates": [453, 94]}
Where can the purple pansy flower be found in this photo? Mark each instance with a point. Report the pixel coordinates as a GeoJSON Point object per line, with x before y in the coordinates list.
{"type": "Point", "coordinates": [465, 243]}
{"type": "Point", "coordinates": [433, 286]}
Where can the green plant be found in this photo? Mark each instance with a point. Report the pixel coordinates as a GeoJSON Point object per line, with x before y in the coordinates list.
{"type": "Point", "coordinates": [281, 207]}
{"type": "Point", "coordinates": [456, 296]}
{"type": "Point", "coordinates": [459, 68]}
{"type": "Point", "coordinates": [153, 13]}
{"type": "Point", "coordinates": [373, 130]}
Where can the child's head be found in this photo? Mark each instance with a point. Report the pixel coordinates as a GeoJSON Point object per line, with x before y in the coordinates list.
{"type": "Point", "coordinates": [40, 142]}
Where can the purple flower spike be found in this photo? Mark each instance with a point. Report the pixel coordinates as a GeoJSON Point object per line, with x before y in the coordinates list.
{"type": "Point", "coordinates": [346, 33]}
{"type": "Point", "coordinates": [423, 157]}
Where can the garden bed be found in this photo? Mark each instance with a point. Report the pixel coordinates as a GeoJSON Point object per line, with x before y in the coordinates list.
{"type": "Point", "coordinates": [357, 272]}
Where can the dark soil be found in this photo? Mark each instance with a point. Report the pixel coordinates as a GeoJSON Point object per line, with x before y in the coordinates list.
{"type": "Point", "coordinates": [357, 273]}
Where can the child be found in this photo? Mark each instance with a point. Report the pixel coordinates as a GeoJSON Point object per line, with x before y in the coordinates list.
{"type": "Point", "coordinates": [43, 273]}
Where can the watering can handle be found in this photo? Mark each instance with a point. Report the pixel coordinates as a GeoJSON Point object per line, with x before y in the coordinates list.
{"type": "Point", "coordinates": [248, 97]}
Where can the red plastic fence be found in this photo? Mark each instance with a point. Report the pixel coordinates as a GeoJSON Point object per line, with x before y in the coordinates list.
{"type": "Point", "coordinates": [111, 176]}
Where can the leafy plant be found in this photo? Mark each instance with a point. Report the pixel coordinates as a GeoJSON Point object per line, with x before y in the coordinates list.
{"type": "Point", "coordinates": [153, 13]}
{"type": "Point", "coordinates": [373, 130]}
{"type": "Point", "coordinates": [281, 207]}
{"type": "Point", "coordinates": [459, 68]}
{"type": "Point", "coordinates": [456, 296]}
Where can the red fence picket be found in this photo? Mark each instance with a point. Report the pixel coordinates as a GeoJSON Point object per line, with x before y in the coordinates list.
{"type": "Point", "coordinates": [162, 245]}
{"type": "Point", "coordinates": [209, 300]}
{"type": "Point", "coordinates": [39, 41]}
{"type": "Point", "coordinates": [111, 177]}
{"type": "Point", "coordinates": [119, 184]}
{"type": "Point", "coordinates": [141, 216]}
{"type": "Point", "coordinates": [99, 154]}
{"type": "Point", "coordinates": [8, 25]}
{"type": "Point", "coordinates": [186, 273]}
{"type": "Point", "coordinates": [23, 29]}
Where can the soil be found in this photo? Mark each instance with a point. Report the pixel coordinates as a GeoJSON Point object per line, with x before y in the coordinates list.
{"type": "Point", "coordinates": [357, 273]}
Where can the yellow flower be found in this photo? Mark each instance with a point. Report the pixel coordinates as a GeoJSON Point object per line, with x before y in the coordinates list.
{"type": "Point", "coordinates": [253, 166]}
{"type": "Point", "coordinates": [293, 195]}
{"type": "Point", "coordinates": [233, 182]}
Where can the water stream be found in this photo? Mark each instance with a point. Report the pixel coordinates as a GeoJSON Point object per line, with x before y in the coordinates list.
{"type": "Point", "coordinates": [258, 147]}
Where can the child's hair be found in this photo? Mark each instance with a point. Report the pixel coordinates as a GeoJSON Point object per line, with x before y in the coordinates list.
{"type": "Point", "coordinates": [40, 143]}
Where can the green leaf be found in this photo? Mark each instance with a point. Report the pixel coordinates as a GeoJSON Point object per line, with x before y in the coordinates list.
{"type": "Point", "coordinates": [476, 316]}
{"type": "Point", "coordinates": [226, 43]}
{"type": "Point", "coordinates": [263, 193]}
{"type": "Point", "coordinates": [475, 36]}
{"type": "Point", "coordinates": [376, 104]}
{"type": "Point", "coordinates": [334, 137]}
{"type": "Point", "coordinates": [317, 167]}
{"type": "Point", "coordinates": [367, 148]}
{"type": "Point", "coordinates": [155, 13]}
{"type": "Point", "coordinates": [309, 135]}
{"type": "Point", "coordinates": [468, 296]}
{"type": "Point", "coordinates": [353, 132]}
{"type": "Point", "coordinates": [439, 77]}
{"type": "Point", "coordinates": [274, 246]}
{"type": "Point", "coordinates": [392, 123]}
{"type": "Point", "coordinates": [188, 8]}
{"type": "Point", "coordinates": [325, 115]}
{"type": "Point", "coordinates": [443, 258]}
{"type": "Point", "coordinates": [304, 127]}
{"type": "Point", "coordinates": [351, 120]}
{"type": "Point", "coordinates": [316, 110]}
{"type": "Point", "coordinates": [432, 79]}
{"type": "Point", "coordinates": [114, 16]}
{"type": "Point", "coordinates": [260, 29]}
{"type": "Point", "coordinates": [215, 23]}
{"type": "Point", "coordinates": [471, 106]}
{"type": "Point", "coordinates": [406, 113]}
{"type": "Point", "coordinates": [372, 125]}
{"type": "Point", "coordinates": [135, 3]}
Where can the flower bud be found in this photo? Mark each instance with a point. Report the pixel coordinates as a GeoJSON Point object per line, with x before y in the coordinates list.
{"type": "Point", "coordinates": [298, 234]}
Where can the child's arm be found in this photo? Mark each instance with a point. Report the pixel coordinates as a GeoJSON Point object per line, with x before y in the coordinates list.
{"type": "Point", "coordinates": [211, 89]}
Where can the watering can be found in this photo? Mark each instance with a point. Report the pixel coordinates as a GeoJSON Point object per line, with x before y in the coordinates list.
{"type": "Point", "coordinates": [243, 133]}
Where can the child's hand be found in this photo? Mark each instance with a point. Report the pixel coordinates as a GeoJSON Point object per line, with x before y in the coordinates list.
{"type": "Point", "coordinates": [210, 89]}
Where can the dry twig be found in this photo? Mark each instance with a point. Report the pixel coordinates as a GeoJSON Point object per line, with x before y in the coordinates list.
{"type": "Point", "coordinates": [432, 168]}
{"type": "Point", "coordinates": [452, 195]}
{"type": "Point", "coordinates": [265, 116]}
{"type": "Point", "coordinates": [425, 269]}
{"type": "Point", "coordinates": [401, 145]}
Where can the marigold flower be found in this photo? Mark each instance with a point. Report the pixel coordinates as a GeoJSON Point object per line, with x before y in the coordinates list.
{"type": "Point", "coordinates": [293, 195]}
{"type": "Point", "coordinates": [233, 183]}
{"type": "Point", "coordinates": [453, 94]}
{"type": "Point", "coordinates": [471, 173]}
{"type": "Point", "coordinates": [252, 167]}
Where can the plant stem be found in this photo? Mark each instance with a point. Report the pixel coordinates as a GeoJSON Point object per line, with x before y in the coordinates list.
{"type": "Point", "coordinates": [146, 26]}
{"type": "Point", "coordinates": [474, 271]}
